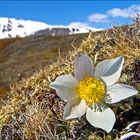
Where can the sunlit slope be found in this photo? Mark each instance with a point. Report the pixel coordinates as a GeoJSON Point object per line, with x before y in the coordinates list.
{"type": "Point", "coordinates": [23, 57]}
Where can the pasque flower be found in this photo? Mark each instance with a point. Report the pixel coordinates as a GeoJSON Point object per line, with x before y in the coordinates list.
{"type": "Point", "coordinates": [91, 91]}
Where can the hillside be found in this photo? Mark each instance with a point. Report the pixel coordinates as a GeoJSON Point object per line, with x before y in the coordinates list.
{"type": "Point", "coordinates": [22, 57]}
{"type": "Point", "coordinates": [33, 111]}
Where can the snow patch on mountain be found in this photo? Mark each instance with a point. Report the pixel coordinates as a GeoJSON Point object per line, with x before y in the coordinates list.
{"type": "Point", "coordinates": [11, 27]}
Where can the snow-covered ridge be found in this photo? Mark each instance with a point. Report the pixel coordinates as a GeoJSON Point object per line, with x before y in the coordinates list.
{"type": "Point", "coordinates": [11, 27]}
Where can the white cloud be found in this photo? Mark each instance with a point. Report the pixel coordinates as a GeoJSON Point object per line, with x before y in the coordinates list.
{"type": "Point", "coordinates": [78, 24]}
{"type": "Point", "coordinates": [97, 17]}
{"type": "Point", "coordinates": [129, 12]}
{"type": "Point", "coordinates": [126, 12]}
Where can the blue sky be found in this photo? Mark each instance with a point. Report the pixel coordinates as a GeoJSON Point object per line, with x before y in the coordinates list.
{"type": "Point", "coordinates": [95, 13]}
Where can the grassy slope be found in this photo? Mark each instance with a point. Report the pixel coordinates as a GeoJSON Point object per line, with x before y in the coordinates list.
{"type": "Point", "coordinates": [24, 57]}
{"type": "Point", "coordinates": [33, 111]}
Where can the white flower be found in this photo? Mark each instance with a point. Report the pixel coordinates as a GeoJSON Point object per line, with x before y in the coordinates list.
{"type": "Point", "coordinates": [89, 92]}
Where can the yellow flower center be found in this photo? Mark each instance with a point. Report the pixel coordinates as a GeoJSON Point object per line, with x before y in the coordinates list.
{"type": "Point", "coordinates": [91, 90]}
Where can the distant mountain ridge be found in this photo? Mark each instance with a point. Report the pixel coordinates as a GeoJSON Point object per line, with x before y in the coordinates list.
{"type": "Point", "coordinates": [11, 27]}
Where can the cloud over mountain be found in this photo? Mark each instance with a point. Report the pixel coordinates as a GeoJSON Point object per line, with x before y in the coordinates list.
{"type": "Point", "coordinates": [97, 17]}
{"type": "Point", "coordinates": [128, 12]}
{"type": "Point", "coordinates": [125, 12]}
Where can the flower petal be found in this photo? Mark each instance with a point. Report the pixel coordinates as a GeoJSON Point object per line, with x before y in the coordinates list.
{"type": "Point", "coordinates": [132, 125]}
{"type": "Point", "coordinates": [104, 119]}
{"type": "Point", "coordinates": [74, 109]}
{"type": "Point", "coordinates": [109, 70]}
{"type": "Point", "coordinates": [130, 135]}
{"type": "Point", "coordinates": [118, 92]}
{"type": "Point", "coordinates": [64, 86]}
{"type": "Point", "coordinates": [83, 67]}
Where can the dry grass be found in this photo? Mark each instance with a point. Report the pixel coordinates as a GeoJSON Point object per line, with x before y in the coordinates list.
{"type": "Point", "coordinates": [5, 42]}
{"type": "Point", "coordinates": [25, 57]}
{"type": "Point", "coordinates": [33, 111]}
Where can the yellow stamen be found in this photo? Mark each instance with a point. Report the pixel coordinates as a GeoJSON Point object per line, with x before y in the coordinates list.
{"type": "Point", "coordinates": [91, 90]}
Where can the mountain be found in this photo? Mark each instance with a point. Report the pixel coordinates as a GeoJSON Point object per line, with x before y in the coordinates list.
{"type": "Point", "coordinates": [11, 27]}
